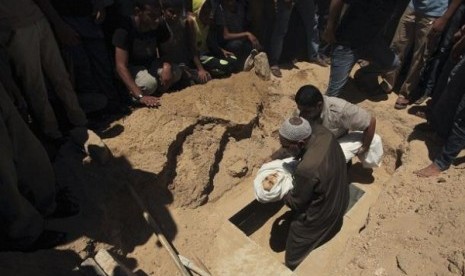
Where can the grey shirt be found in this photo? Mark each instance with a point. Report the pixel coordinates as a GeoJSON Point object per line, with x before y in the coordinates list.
{"type": "Point", "coordinates": [340, 116]}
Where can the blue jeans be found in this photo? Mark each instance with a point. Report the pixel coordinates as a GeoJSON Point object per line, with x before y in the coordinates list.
{"type": "Point", "coordinates": [382, 59]}
{"type": "Point", "coordinates": [456, 140]}
{"type": "Point", "coordinates": [306, 9]}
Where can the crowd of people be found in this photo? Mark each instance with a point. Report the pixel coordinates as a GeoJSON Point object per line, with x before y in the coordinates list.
{"type": "Point", "coordinates": [63, 61]}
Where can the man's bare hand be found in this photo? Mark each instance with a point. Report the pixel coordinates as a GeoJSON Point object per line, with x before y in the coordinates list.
{"type": "Point", "coordinates": [439, 24]}
{"type": "Point", "coordinates": [150, 101]}
{"type": "Point", "coordinates": [362, 150]}
{"type": "Point", "coordinates": [204, 76]}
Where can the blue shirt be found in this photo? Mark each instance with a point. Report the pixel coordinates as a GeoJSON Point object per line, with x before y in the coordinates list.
{"type": "Point", "coordinates": [434, 8]}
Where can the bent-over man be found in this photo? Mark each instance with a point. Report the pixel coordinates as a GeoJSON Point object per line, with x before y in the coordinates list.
{"type": "Point", "coordinates": [342, 117]}
{"type": "Point", "coordinates": [320, 195]}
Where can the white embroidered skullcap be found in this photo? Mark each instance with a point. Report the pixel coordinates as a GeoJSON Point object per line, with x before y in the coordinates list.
{"type": "Point", "coordinates": [295, 129]}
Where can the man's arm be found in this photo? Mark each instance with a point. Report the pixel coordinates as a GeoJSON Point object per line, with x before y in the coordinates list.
{"type": "Point", "coordinates": [121, 60]}
{"type": "Point", "coordinates": [300, 197]}
{"type": "Point", "coordinates": [65, 34]}
{"type": "Point", "coordinates": [368, 135]}
{"type": "Point", "coordinates": [335, 8]}
{"type": "Point", "coordinates": [440, 23]}
{"type": "Point", "coordinates": [227, 35]}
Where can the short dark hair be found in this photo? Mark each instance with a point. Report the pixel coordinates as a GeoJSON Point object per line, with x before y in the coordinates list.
{"type": "Point", "coordinates": [142, 3]}
{"type": "Point", "coordinates": [308, 96]}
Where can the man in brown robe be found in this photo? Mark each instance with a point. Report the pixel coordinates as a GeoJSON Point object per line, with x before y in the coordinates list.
{"type": "Point", "coordinates": [320, 195]}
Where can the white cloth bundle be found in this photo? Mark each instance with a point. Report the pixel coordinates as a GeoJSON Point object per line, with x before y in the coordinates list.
{"type": "Point", "coordinates": [352, 142]}
{"type": "Point", "coordinates": [146, 82]}
{"type": "Point", "coordinates": [283, 185]}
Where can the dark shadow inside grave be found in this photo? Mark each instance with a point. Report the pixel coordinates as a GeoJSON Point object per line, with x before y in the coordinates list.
{"type": "Point", "coordinates": [268, 223]}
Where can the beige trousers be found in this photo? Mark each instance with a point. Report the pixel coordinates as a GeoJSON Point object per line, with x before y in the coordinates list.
{"type": "Point", "coordinates": [412, 31]}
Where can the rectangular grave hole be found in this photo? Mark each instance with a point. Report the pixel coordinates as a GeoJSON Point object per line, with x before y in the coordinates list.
{"type": "Point", "coordinates": [266, 224]}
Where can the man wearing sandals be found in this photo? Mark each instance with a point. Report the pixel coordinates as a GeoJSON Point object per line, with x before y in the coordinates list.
{"type": "Point", "coordinates": [421, 26]}
{"type": "Point", "coordinates": [306, 10]}
{"type": "Point", "coordinates": [452, 120]}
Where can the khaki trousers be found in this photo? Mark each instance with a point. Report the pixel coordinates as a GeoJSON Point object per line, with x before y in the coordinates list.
{"type": "Point", "coordinates": [27, 181]}
{"type": "Point", "coordinates": [412, 31]}
{"type": "Point", "coordinates": [34, 54]}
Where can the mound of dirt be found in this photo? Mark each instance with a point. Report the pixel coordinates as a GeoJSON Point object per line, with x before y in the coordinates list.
{"type": "Point", "coordinates": [207, 142]}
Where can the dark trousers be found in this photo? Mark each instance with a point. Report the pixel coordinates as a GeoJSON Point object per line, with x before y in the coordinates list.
{"type": "Point", "coordinates": [92, 70]}
{"type": "Point", "coordinates": [306, 9]}
{"type": "Point", "coordinates": [455, 142]}
{"type": "Point", "coordinates": [443, 107]}
{"type": "Point", "coordinates": [34, 54]}
{"type": "Point", "coordinates": [27, 182]}
{"type": "Point", "coordinates": [433, 67]}
{"type": "Point", "coordinates": [6, 78]}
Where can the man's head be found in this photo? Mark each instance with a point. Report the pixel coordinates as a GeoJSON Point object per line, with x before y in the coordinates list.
{"type": "Point", "coordinates": [148, 12]}
{"type": "Point", "coordinates": [309, 101]}
{"type": "Point", "coordinates": [293, 135]}
{"type": "Point", "coordinates": [173, 9]}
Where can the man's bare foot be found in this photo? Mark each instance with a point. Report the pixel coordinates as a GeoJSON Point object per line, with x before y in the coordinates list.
{"type": "Point", "coordinates": [431, 170]}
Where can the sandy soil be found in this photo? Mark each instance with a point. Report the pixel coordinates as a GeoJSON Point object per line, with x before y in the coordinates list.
{"type": "Point", "coordinates": [206, 142]}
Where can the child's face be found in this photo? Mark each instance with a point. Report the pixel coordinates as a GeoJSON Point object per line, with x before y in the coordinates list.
{"type": "Point", "coordinates": [269, 181]}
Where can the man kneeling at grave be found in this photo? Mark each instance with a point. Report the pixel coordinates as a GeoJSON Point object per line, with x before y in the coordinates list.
{"type": "Point", "coordinates": [320, 193]}
{"type": "Point", "coordinates": [353, 126]}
